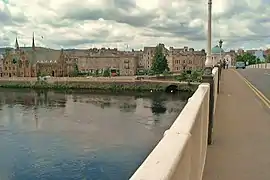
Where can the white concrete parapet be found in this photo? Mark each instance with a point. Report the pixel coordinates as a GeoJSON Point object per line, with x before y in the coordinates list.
{"type": "Point", "coordinates": [181, 152]}
{"type": "Point", "coordinates": [260, 66]}
{"type": "Point", "coordinates": [215, 76]}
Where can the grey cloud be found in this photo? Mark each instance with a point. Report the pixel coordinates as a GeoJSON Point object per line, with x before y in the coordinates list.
{"type": "Point", "coordinates": [182, 30]}
{"type": "Point", "coordinates": [72, 43]}
{"type": "Point", "coordinates": [125, 4]}
{"type": "Point", "coordinates": [140, 20]}
{"type": "Point", "coordinates": [6, 18]}
{"type": "Point", "coordinates": [4, 40]}
{"type": "Point", "coordinates": [58, 23]}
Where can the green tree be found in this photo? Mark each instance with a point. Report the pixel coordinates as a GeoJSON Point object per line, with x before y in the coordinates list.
{"type": "Point", "coordinates": [96, 72]}
{"type": "Point", "coordinates": [76, 70]}
{"type": "Point", "coordinates": [247, 57]}
{"type": "Point", "coordinates": [268, 59]}
{"type": "Point", "coordinates": [160, 63]}
{"type": "Point", "coordinates": [196, 75]}
{"type": "Point", "coordinates": [106, 72]}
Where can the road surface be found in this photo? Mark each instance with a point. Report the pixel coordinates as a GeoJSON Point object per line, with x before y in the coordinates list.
{"type": "Point", "coordinates": [260, 78]}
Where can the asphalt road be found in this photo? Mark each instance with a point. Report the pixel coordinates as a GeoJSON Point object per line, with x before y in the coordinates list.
{"type": "Point", "coordinates": [260, 78]}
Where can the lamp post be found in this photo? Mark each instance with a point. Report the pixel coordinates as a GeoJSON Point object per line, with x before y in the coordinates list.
{"type": "Point", "coordinates": [209, 61]}
{"type": "Point", "coordinates": [220, 42]}
{"type": "Point", "coordinates": [208, 76]}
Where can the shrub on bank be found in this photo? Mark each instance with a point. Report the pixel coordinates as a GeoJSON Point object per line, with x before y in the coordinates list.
{"type": "Point", "coordinates": [95, 86]}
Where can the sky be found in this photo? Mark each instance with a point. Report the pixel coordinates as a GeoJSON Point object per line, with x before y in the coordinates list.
{"type": "Point", "coordinates": [133, 24]}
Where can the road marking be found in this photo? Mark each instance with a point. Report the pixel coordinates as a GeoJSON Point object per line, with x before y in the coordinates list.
{"type": "Point", "coordinates": [267, 74]}
{"type": "Point", "coordinates": [260, 95]}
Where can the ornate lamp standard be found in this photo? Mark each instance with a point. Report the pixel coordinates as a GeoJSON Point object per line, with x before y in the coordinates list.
{"type": "Point", "coordinates": [207, 75]}
{"type": "Point", "coordinates": [220, 42]}
{"type": "Point", "coordinates": [209, 61]}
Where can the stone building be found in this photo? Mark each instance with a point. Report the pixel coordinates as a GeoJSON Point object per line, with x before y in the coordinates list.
{"type": "Point", "coordinates": [25, 62]}
{"type": "Point", "coordinates": [185, 59]}
{"type": "Point", "coordinates": [240, 52]}
{"type": "Point", "coordinates": [148, 55]}
{"type": "Point", "coordinates": [58, 64]}
{"type": "Point", "coordinates": [218, 54]}
{"type": "Point", "coordinates": [100, 59]}
{"type": "Point", "coordinates": [130, 62]}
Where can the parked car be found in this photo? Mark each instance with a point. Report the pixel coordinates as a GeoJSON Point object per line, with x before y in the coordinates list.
{"type": "Point", "coordinates": [240, 64]}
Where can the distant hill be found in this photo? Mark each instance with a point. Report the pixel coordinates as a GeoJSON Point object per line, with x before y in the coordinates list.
{"type": "Point", "coordinates": [42, 49]}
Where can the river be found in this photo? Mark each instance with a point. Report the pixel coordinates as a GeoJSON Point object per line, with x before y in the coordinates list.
{"type": "Point", "coordinates": [52, 135]}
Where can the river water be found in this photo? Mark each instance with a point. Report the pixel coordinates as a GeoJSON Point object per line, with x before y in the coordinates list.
{"type": "Point", "coordinates": [80, 135]}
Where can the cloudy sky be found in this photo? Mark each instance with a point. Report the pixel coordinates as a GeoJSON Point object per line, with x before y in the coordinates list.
{"type": "Point", "coordinates": [136, 23]}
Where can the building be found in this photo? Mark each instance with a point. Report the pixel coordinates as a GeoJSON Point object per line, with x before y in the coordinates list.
{"type": "Point", "coordinates": [267, 52]}
{"type": "Point", "coordinates": [148, 56]}
{"type": "Point", "coordinates": [32, 62]}
{"type": "Point", "coordinates": [260, 55]}
{"type": "Point", "coordinates": [185, 59]}
{"type": "Point", "coordinates": [98, 60]}
{"type": "Point", "coordinates": [240, 52]}
{"type": "Point", "coordinates": [219, 55]}
{"type": "Point", "coordinates": [57, 65]}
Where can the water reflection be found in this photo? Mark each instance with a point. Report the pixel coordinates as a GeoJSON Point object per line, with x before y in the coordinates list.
{"type": "Point", "coordinates": [80, 135]}
{"type": "Point", "coordinates": [158, 105]}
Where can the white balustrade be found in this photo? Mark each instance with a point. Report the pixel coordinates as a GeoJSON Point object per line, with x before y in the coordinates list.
{"type": "Point", "coordinates": [260, 66]}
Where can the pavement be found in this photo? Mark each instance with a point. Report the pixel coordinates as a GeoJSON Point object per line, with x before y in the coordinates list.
{"type": "Point", "coordinates": [241, 147]}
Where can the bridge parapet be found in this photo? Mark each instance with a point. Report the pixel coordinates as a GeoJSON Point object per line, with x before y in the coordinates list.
{"type": "Point", "coordinates": [260, 66]}
{"type": "Point", "coordinates": [181, 153]}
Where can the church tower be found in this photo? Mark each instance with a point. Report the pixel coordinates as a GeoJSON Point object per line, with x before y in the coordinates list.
{"type": "Point", "coordinates": [17, 47]}
{"type": "Point", "coordinates": [33, 42]}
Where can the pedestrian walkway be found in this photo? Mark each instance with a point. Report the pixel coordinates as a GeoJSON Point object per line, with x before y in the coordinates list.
{"type": "Point", "coordinates": [241, 148]}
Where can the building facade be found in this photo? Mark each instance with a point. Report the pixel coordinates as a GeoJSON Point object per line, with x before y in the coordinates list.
{"type": "Point", "coordinates": [148, 56]}
{"type": "Point", "coordinates": [185, 59]}
{"type": "Point", "coordinates": [219, 55]}
{"type": "Point", "coordinates": [267, 53]}
{"type": "Point", "coordinates": [260, 55]}
{"type": "Point", "coordinates": [101, 59]}
{"type": "Point", "coordinates": [36, 61]}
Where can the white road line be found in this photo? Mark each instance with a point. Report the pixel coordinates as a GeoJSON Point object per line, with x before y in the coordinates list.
{"type": "Point", "coordinates": [267, 74]}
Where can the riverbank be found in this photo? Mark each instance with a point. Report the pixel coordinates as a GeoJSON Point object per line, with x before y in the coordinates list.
{"type": "Point", "coordinates": [108, 85]}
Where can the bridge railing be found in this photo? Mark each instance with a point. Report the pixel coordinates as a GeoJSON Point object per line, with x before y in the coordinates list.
{"type": "Point", "coordinates": [181, 153]}
{"type": "Point", "coordinates": [216, 77]}
{"type": "Point", "coordinates": [261, 66]}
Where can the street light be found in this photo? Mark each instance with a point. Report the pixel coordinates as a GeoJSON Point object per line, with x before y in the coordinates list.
{"type": "Point", "coordinates": [209, 61]}
{"type": "Point", "coordinates": [220, 42]}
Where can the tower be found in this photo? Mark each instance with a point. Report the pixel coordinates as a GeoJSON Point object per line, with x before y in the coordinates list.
{"type": "Point", "coordinates": [33, 42]}
{"type": "Point", "coordinates": [17, 47]}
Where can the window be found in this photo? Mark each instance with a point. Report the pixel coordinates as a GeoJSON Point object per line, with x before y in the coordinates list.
{"type": "Point", "coordinates": [126, 66]}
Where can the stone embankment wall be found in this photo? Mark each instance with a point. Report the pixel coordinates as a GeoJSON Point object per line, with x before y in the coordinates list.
{"type": "Point", "coordinates": [111, 84]}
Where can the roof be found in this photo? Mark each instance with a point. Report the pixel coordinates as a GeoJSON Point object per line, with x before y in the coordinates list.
{"type": "Point", "coordinates": [43, 55]}
{"type": "Point", "coordinates": [217, 50]}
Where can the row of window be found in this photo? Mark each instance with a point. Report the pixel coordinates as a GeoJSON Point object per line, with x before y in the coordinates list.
{"type": "Point", "coordinates": [182, 68]}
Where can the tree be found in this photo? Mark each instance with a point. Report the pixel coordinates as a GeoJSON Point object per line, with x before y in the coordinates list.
{"type": "Point", "coordinates": [76, 70]}
{"type": "Point", "coordinates": [247, 57]}
{"type": "Point", "coordinates": [268, 59]}
{"type": "Point", "coordinates": [97, 72]}
{"type": "Point", "coordinates": [106, 72]}
{"type": "Point", "coordinates": [160, 63]}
